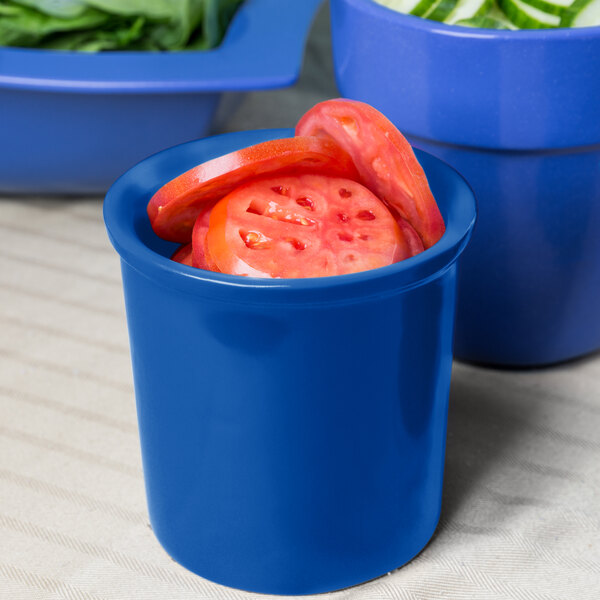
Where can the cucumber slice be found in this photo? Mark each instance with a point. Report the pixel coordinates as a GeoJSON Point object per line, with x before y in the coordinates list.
{"type": "Point", "coordinates": [589, 16]}
{"type": "Point", "coordinates": [483, 22]}
{"type": "Point", "coordinates": [496, 14]}
{"type": "Point", "coordinates": [441, 10]}
{"type": "Point", "coordinates": [423, 7]}
{"type": "Point", "coordinates": [528, 17]}
{"type": "Point", "coordinates": [582, 13]}
{"type": "Point", "coordinates": [403, 6]}
{"type": "Point", "coordinates": [467, 9]}
{"type": "Point", "coordinates": [552, 7]}
{"type": "Point", "coordinates": [489, 14]}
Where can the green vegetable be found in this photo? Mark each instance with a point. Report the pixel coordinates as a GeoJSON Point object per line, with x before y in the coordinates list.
{"type": "Point", "coordinates": [93, 25]}
{"type": "Point", "coordinates": [503, 14]}
{"type": "Point", "coordinates": [525, 16]}
{"type": "Point", "coordinates": [552, 7]}
{"type": "Point", "coordinates": [64, 9]}
{"type": "Point", "coordinates": [468, 9]}
{"type": "Point", "coordinates": [483, 23]}
{"type": "Point", "coordinates": [403, 6]}
{"type": "Point", "coordinates": [27, 27]}
{"type": "Point", "coordinates": [582, 13]}
{"type": "Point", "coordinates": [423, 7]}
{"type": "Point", "coordinates": [440, 10]}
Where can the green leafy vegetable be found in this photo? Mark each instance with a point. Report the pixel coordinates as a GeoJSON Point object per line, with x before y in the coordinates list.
{"type": "Point", "coordinates": [94, 25]}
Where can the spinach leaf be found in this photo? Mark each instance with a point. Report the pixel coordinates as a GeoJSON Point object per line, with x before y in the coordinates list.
{"type": "Point", "coordinates": [27, 27]}
{"type": "Point", "coordinates": [64, 9]}
{"type": "Point", "coordinates": [94, 25]}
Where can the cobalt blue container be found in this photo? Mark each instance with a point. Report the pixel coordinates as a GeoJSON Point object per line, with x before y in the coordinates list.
{"type": "Point", "coordinates": [518, 114]}
{"type": "Point", "coordinates": [292, 430]}
{"type": "Point", "coordinates": [72, 122]}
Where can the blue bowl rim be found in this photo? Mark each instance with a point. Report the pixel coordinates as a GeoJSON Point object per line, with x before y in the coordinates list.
{"type": "Point", "coordinates": [262, 49]}
{"type": "Point", "coordinates": [474, 33]}
{"type": "Point", "coordinates": [410, 273]}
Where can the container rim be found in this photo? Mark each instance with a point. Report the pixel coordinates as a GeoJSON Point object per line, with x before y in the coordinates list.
{"type": "Point", "coordinates": [125, 217]}
{"type": "Point", "coordinates": [474, 33]}
{"type": "Point", "coordinates": [262, 49]}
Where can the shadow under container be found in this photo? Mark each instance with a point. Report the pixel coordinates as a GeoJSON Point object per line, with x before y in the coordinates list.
{"type": "Point", "coordinates": [292, 431]}
{"type": "Point", "coordinates": [518, 114]}
{"type": "Point", "coordinates": [72, 122]}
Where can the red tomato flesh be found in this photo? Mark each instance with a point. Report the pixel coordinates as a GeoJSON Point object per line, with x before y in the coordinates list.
{"type": "Point", "coordinates": [199, 258]}
{"type": "Point", "coordinates": [303, 226]}
{"type": "Point", "coordinates": [412, 238]}
{"type": "Point", "coordinates": [183, 255]}
{"type": "Point", "coordinates": [385, 160]}
{"type": "Point", "coordinates": [175, 206]}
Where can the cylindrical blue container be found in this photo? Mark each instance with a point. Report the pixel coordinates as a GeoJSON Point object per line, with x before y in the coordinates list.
{"type": "Point", "coordinates": [518, 114]}
{"type": "Point", "coordinates": [292, 431]}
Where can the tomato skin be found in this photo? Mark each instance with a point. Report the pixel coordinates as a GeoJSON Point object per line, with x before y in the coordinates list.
{"type": "Point", "coordinates": [412, 238]}
{"type": "Point", "coordinates": [216, 244]}
{"type": "Point", "coordinates": [303, 226]}
{"type": "Point", "coordinates": [385, 160]}
{"type": "Point", "coordinates": [199, 258]}
{"type": "Point", "coordinates": [183, 255]}
{"type": "Point", "coordinates": [173, 209]}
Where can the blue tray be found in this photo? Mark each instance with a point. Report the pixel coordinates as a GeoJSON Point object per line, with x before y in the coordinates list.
{"type": "Point", "coordinates": [73, 122]}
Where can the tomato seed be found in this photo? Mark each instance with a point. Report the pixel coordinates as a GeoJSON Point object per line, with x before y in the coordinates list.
{"type": "Point", "coordinates": [305, 203]}
{"type": "Point", "coordinates": [345, 237]}
{"type": "Point", "coordinates": [365, 215]}
{"type": "Point", "coordinates": [255, 240]}
{"type": "Point", "coordinates": [297, 244]}
{"type": "Point", "coordinates": [282, 191]}
{"type": "Point", "coordinates": [349, 125]}
{"type": "Point", "coordinates": [350, 258]}
{"type": "Point", "coordinates": [343, 218]}
{"type": "Point", "coordinates": [274, 211]}
{"type": "Point", "coordinates": [364, 236]}
{"type": "Point", "coordinates": [344, 193]}
{"type": "Point", "coordinates": [255, 208]}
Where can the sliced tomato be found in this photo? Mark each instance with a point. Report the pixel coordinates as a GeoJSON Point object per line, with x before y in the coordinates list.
{"type": "Point", "coordinates": [183, 255]}
{"type": "Point", "coordinates": [211, 264]}
{"type": "Point", "coordinates": [174, 207]}
{"type": "Point", "coordinates": [412, 238]}
{"type": "Point", "coordinates": [385, 160]}
{"type": "Point", "coordinates": [199, 258]}
{"type": "Point", "coordinates": [303, 226]}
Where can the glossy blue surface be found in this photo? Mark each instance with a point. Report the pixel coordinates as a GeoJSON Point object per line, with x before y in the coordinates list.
{"type": "Point", "coordinates": [292, 431]}
{"type": "Point", "coordinates": [518, 114]}
{"type": "Point", "coordinates": [529, 283]}
{"type": "Point", "coordinates": [516, 90]}
{"type": "Point", "coordinates": [73, 122]}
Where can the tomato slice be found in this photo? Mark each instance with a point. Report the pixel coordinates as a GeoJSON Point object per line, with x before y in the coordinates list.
{"type": "Point", "coordinates": [200, 257]}
{"type": "Point", "coordinates": [415, 244]}
{"type": "Point", "coordinates": [385, 160]}
{"type": "Point", "coordinates": [174, 207]}
{"type": "Point", "coordinates": [183, 255]}
{"type": "Point", "coordinates": [303, 226]}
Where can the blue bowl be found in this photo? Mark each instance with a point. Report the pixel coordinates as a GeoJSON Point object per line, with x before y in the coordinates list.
{"type": "Point", "coordinates": [73, 122]}
{"type": "Point", "coordinates": [292, 430]}
{"type": "Point", "coordinates": [517, 113]}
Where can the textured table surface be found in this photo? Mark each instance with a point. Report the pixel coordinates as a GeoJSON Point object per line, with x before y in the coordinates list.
{"type": "Point", "coordinates": [521, 509]}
